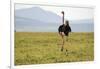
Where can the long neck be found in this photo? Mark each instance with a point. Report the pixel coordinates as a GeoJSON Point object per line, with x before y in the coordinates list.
{"type": "Point", "coordinates": [63, 19]}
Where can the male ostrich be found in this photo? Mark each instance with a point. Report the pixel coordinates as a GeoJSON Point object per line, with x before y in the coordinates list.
{"type": "Point", "coordinates": [64, 30]}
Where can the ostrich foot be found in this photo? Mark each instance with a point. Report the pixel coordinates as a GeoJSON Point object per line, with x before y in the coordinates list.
{"type": "Point", "coordinates": [61, 49]}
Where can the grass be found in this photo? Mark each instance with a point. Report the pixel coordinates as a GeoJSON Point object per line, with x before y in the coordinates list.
{"type": "Point", "coordinates": [44, 47]}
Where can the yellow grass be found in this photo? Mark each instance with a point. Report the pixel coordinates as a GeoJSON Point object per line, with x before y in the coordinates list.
{"type": "Point", "coordinates": [44, 47]}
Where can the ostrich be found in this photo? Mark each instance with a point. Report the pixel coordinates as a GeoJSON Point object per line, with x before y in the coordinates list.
{"type": "Point", "coordinates": [64, 30]}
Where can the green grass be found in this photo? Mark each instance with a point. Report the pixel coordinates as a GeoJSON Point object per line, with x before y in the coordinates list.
{"type": "Point", "coordinates": [44, 47]}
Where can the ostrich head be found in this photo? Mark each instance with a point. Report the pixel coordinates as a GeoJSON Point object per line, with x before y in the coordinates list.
{"type": "Point", "coordinates": [62, 12]}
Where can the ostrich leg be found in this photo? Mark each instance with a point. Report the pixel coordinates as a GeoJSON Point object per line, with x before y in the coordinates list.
{"type": "Point", "coordinates": [62, 32]}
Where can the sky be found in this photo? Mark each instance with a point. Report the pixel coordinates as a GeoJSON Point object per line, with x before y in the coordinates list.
{"type": "Point", "coordinates": [70, 12]}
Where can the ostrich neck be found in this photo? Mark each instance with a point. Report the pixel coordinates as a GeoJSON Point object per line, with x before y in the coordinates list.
{"type": "Point", "coordinates": [63, 18]}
